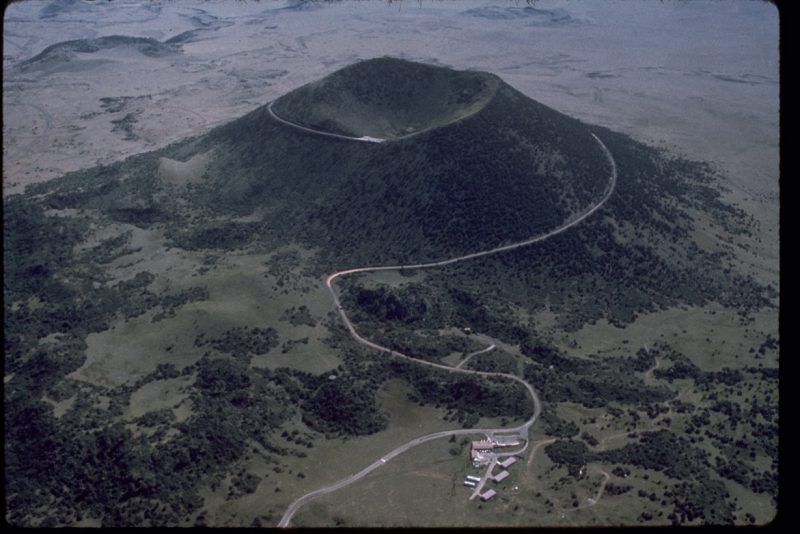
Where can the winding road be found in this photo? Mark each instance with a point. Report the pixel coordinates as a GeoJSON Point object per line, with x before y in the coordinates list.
{"type": "Point", "coordinates": [364, 138]}
{"type": "Point", "coordinates": [521, 430]}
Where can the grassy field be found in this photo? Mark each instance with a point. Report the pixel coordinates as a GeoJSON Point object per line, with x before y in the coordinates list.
{"type": "Point", "coordinates": [393, 278]}
{"type": "Point", "coordinates": [711, 336]}
{"type": "Point", "coordinates": [426, 489]}
{"type": "Point", "coordinates": [241, 292]}
{"type": "Point", "coordinates": [424, 486]}
{"type": "Point", "coordinates": [325, 463]}
{"type": "Point", "coordinates": [421, 487]}
{"type": "Point", "coordinates": [160, 394]}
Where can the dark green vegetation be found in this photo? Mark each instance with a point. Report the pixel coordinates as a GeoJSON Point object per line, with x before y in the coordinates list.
{"type": "Point", "coordinates": [728, 435]}
{"type": "Point", "coordinates": [592, 383]}
{"type": "Point", "coordinates": [635, 255]}
{"type": "Point", "coordinates": [523, 167]}
{"type": "Point", "coordinates": [85, 465]}
{"type": "Point", "coordinates": [508, 169]}
{"type": "Point", "coordinates": [242, 343]}
{"type": "Point", "coordinates": [298, 316]}
{"type": "Point", "coordinates": [423, 306]}
{"type": "Point", "coordinates": [693, 494]}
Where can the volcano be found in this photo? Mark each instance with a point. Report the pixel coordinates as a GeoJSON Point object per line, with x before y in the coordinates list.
{"type": "Point", "coordinates": [467, 163]}
{"type": "Point", "coordinates": [174, 276]}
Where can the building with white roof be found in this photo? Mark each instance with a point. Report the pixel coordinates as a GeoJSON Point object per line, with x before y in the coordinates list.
{"type": "Point", "coordinates": [502, 475]}
{"type": "Point", "coordinates": [511, 460]}
{"type": "Point", "coordinates": [488, 494]}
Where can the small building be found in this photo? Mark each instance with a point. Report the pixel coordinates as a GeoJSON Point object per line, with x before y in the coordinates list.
{"type": "Point", "coordinates": [479, 458]}
{"type": "Point", "coordinates": [482, 445]}
{"type": "Point", "coordinates": [488, 494]}
{"type": "Point", "coordinates": [470, 483]}
{"type": "Point", "coordinates": [505, 464]}
{"type": "Point", "coordinates": [473, 478]}
{"type": "Point", "coordinates": [502, 475]}
{"type": "Point", "coordinates": [480, 461]}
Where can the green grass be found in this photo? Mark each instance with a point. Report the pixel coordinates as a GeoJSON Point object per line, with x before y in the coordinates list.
{"type": "Point", "coordinates": [327, 462]}
{"type": "Point", "coordinates": [713, 336]}
{"type": "Point", "coordinates": [422, 487]}
{"type": "Point", "coordinates": [157, 395]}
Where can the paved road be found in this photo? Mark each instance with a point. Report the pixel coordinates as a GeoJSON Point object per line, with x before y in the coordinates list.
{"type": "Point", "coordinates": [484, 479]}
{"type": "Point", "coordinates": [299, 503]}
{"type": "Point", "coordinates": [364, 139]}
{"type": "Point", "coordinates": [521, 430]}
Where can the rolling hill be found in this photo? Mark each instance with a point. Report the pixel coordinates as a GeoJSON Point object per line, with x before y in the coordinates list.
{"type": "Point", "coordinates": [78, 53]}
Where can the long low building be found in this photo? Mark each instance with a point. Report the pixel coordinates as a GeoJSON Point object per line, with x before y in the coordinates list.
{"type": "Point", "coordinates": [502, 475]}
{"type": "Point", "coordinates": [511, 460]}
{"type": "Point", "coordinates": [488, 494]}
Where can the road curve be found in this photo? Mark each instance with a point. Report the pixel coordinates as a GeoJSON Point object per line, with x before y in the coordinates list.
{"type": "Point", "coordinates": [523, 428]}
{"type": "Point", "coordinates": [363, 139]}
{"type": "Point", "coordinates": [469, 357]}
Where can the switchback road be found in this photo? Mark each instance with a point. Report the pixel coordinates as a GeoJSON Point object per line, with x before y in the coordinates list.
{"type": "Point", "coordinates": [521, 430]}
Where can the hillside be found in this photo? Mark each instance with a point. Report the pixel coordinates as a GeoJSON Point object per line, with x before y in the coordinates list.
{"type": "Point", "coordinates": [510, 170]}
{"type": "Point", "coordinates": [507, 171]}
{"type": "Point", "coordinates": [61, 55]}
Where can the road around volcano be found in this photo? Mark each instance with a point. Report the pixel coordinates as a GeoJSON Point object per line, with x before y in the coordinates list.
{"type": "Point", "coordinates": [364, 139]}
{"type": "Point", "coordinates": [521, 430]}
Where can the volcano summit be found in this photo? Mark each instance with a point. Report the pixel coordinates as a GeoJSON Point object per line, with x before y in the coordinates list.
{"type": "Point", "coordinates": [388, 98]}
